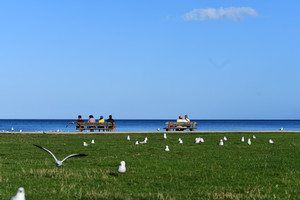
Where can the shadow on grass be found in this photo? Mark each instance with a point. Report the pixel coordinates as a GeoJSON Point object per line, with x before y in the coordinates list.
{"type": "Point", "coordinates": [113, 174]}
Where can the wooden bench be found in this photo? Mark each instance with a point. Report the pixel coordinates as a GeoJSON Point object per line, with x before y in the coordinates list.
{"type": "Point", "coordinates": [180, 126]}
{"type": "Point", "coordinates": [105, 126]}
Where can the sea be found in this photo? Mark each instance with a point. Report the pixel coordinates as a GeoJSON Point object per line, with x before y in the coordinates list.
{"type": "Point", "coordinates": [65, 125]}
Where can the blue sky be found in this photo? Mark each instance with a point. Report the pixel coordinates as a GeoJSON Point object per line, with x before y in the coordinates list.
{"type": "Point", "coordinates": [210, 59]}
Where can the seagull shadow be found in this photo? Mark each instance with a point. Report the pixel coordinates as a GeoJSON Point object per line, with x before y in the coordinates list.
{"type": "Point", "coordinates": [113, 174]}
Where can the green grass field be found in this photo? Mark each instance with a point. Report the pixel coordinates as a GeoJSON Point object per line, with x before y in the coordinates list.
{"type": "Point", "coordinates": [189, 171]}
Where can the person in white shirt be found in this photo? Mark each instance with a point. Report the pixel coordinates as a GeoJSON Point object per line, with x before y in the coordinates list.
{"type": "Point", "coordinates": [180, 119]}
{"type": "Point", "coordinates": [187, 118]}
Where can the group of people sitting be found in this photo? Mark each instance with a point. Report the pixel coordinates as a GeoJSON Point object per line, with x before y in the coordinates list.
{"type": "Point", "coordinates": [180, 119]}
{"type": "Point", "coordinates": [101, 120]}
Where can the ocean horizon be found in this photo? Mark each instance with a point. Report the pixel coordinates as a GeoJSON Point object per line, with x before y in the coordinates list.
{"type": "Point", "coordinates": [55, 125]}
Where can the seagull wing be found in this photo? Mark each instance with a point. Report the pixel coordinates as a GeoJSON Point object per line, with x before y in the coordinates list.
{"type": "Point", "coordinates": [73, 155]}
{"type": "Point", "coordinates": [47, 151]}
{"type": "Point", "coordinates": [70, 123]}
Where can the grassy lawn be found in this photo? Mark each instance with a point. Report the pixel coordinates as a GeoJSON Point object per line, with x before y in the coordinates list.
{"type": "Point", "coordinates": [188, 171]}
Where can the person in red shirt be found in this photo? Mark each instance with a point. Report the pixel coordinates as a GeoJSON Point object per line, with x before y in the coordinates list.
{"type": "Point", "coordinates": [80, 120]}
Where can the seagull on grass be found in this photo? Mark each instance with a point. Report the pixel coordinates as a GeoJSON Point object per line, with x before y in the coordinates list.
{"type": "Point", "coordinates": [85, 144]}
{"type": "Point", "coordinates": [128, 138]}
{"type": "Point", "coordinates": [243, 139]}
{"type": "Point", "coordinates": [271, 141]}
{"type": "Point", "coordinates": [20, 195]}
{"type": "Point", "coordinates": [221, 143]}
{"type": "Point", "coordinates": [167, 148]}
{"type": "Point", "coordinates": [165, 135]}
{"type": "Point", "coordinates": [144, 142]}
{"type": "Point", "coordinates": [249, 141]}
{"type": "Point", "coordinates": [93, 141]}
{"type": "Point", "coordinates": [122, 168]}
{"type": "Point", "coordinates": [180, 141]}
{"type": "Point", "coordinates": [225, 138]}
{"type": "Point", "coordinates": [59, 162]}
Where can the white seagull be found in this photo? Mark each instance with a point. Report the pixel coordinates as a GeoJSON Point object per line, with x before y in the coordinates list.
{"type": "Point", "coordinates": [253, 137]}
{"type": "Point", "coordinates": [85, 144]}
{"type": "Point", "coordinates": [93, 142]}
{"type": "Point", "coordinates": [225, 138]}
{"type": "Point", "coordinates": [145, 141]}
{"type": "Point", "coordinates": [158, 129]}
{"type": "Point", "coordinates": [281, 129]}
{"type": "Point", "coordinates": [122, 168]}
{"type": "Point", "coordinates": [165, 135]}
{"type": "Point", "coordinates": [136, 142]}
{"type": "Point", "coordinates": [202, 140]}
{"type": "Point", "coordinates": [128, 138]}
{"type": "Point", "coordinates": [20, 195]}
{"type": "Point", "coordinates": [249, 141]}
{"type": "Point", "coordinates": [221, 143]}
{"type": "Point", "coordinates": [167, 148]}
{"type": "Point", "coordinates": [12, 129]}
{"type": "Point", "coordinates": [180, 141]}
{"type": "Point", "coordinates": [271, 141]}
{"type": "Point", "coordinates": [197, 140]}
{"type": "Point", "coordinates": [243, 139]}
{"type": "Point", "coordinates": [59, 162]}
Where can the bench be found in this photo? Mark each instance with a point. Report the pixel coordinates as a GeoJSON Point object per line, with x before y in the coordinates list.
{"type": "Point", "coordinates": [180, 126]}
{"type": "Point", "coordinates": [105, 126]}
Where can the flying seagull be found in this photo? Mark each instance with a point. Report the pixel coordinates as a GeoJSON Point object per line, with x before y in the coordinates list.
{"type": "Point", "coordinates": [20, 195]}
{"type": "Point", "coordinates": [70, 123]}
{"type": "Point", "coordinates": [59, 162]}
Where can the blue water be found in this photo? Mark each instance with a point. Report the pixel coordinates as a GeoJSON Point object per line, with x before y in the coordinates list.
{"type": "Point", "coordinates": [151, 125]}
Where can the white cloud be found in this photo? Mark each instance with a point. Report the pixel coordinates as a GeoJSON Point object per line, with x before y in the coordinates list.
{"type": "Point", "coordinates": [231, 13]}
